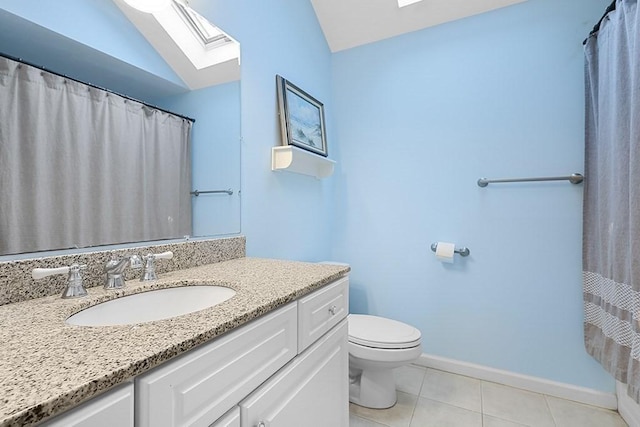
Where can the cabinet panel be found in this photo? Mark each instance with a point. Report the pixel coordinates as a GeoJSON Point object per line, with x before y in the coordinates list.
{"type": "Point", "coordinates": [312, 390]}
{"type": "Point", "coordinates": [230, 419]}
{"type": "Point", "coordinates": [113, 408]}
{"type": "Point", "coordinates": [200, 386]}
{"type": "Point", "coordinates": [321, 311]}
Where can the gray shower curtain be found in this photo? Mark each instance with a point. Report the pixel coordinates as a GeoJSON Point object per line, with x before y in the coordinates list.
{"type": "Point", "coordinates": [611, 257]}
{"type": "Point", "coordinates": [80, 166]}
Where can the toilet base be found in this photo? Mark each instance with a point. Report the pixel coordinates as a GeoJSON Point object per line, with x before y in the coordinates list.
{"type": "Point", "coordinates": [372, 388]}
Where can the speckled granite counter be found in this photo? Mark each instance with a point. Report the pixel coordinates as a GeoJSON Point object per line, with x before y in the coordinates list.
{"type": "Point", "coordinates": [49, 367]}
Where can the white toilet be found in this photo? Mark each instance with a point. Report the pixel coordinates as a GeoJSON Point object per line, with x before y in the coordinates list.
{"type": "Point", "coordinates": [376, 346]}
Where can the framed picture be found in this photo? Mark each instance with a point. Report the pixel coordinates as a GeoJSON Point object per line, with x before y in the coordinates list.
{"type": "Point", "coordinates": [301, 118]}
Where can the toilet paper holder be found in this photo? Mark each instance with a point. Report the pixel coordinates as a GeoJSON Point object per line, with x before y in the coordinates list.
{"type": "Point", "coordinates": [461, 251]}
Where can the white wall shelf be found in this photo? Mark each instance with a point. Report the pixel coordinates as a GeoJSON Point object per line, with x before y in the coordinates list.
{"type": "Point", "coordinates": [294, 159]}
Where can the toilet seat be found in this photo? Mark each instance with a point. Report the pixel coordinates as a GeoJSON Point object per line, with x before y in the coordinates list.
{"type": "Point", "coordinates": [380, 332]}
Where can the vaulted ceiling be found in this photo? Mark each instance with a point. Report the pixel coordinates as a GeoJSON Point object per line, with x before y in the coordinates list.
{"type": "Point", "coordinates": [351, 23]}
{"type": "Point", "coordinates": [345, 23]}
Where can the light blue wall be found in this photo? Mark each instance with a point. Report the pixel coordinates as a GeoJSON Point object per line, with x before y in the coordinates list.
{"type": "Point", "coordinates": [283, 215]}
{"type": "Point", "coordinates": [419, 118]}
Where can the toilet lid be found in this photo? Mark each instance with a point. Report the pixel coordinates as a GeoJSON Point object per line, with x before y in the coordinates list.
{"type": "Point", "coordinates": [380, 332]}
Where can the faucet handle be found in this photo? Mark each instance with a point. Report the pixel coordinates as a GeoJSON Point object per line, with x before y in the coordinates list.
{"type": "Point", "coordinates": [75, 286]}
{"type": "Point", "coordinates": [164, 255]}
{"type": "Point", "coordinates": [39, 273]}
{"type": "Point", "coordinates": [150, 266]}
{"type": "Point", "coordinates": [135, 262]}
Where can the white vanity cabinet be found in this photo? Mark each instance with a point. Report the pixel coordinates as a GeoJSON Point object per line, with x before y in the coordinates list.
{"type": "Point", "coordinates": [311, 391]}
{"type": "Point", "coordinates": [287, 368]}
{"type": "Point", "coordinates": [198, 387]}
{"type": "Point", "coordinates": [113, 408]}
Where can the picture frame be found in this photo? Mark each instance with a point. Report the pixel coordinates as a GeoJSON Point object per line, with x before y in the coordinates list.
{"type": "Point", "coordinates": [301, 118]}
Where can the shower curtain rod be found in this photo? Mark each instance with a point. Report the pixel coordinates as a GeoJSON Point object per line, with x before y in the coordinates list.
{"type": "Point", "coordinates": [596, 27]}
{"type": "Point", "coordinates": [40, 67]}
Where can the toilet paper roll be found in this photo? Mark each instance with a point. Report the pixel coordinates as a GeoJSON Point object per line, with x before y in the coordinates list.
{"type": "Point", "coordinates": [445, 252]}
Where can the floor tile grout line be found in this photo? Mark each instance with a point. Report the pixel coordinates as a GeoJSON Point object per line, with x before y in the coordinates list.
{"type": "Point", "coordinates": [481, 403]}
{"type": "Point", "coordinates": [424, 377]}
{"type": "Point", "coordinates": [364, 417]}
{"type": "Point", "coordinates": [450, 405]}
{"type": "Point", "coordinates": [448, 402]}
{"type": "Point", "coordinates": [372, 421]}
{"type": "Point", "coordinates": [544, 397]}
{"type": "Point", "coordinates": [413, 411]}
{"type": "Point", "coordinates": [546, 402]}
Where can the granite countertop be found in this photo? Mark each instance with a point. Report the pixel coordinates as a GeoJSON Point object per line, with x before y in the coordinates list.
{"type": "Point", "coordinates": [49, 367]}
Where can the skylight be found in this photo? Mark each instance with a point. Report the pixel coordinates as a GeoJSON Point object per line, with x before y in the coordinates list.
{"type": "Point", "coordinates": [201, 53]}
{"type": "Point", "coordinates": [202, 42]}
{"type": "Point", "coordinates": [208, 34]}
{"type": "Point", "coordinates": [403, 3]}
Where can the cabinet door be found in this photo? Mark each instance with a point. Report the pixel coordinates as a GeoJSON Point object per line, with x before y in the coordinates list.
{"type": "Point", "coordinates": [113, 408]}
{"type": "Point", "coordinates": [311, 391]}
{"type": "Point", "coordinates": [322, 310]}
{"type": "Point", "coordinates": [200, 386]}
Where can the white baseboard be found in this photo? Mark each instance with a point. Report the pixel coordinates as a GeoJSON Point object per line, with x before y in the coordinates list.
{"type": "Point", "coordinates": [627, 407]}
{"type": "Point", "coordinates": [538, 385]}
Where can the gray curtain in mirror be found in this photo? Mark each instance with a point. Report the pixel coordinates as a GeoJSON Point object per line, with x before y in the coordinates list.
{"type": "Point", "coordinates": [80, 166]}
{"type": "Point", "coordinates": [611, 258]}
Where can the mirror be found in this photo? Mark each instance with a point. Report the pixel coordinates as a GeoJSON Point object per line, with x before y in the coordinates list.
{"type": "Point", "coordinates": [215, 150]}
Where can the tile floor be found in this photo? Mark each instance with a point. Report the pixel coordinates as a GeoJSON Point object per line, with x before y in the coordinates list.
{"type": "Point", "coordinates": [432, 398]}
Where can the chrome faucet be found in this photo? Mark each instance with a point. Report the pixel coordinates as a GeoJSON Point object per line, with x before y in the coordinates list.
{"type": "Point", "coordinates": [75, 287]}
{"type": "Point", "coordinates": [115, 268]}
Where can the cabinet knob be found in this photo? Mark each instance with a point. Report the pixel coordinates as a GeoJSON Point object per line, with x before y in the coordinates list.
{"type": "Point", "coordinates": [333, 310]}
{"type": "Point", "coordinates": [261, 424]}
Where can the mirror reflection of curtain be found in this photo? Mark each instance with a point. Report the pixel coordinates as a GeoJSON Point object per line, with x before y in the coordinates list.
{"type": "Point", "coordinates": [80, 166]}
{"type": "Point", "coordinates": [611, 258]}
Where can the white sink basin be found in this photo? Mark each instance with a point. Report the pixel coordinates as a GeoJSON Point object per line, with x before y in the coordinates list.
{"type": "Point", "coordinates": [152, 305]}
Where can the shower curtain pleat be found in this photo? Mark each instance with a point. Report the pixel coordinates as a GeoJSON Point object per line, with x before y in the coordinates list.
{"type": "Point", "coordinates": [611, 234]}
{"type": "Point", "coordinates": [80, 166]}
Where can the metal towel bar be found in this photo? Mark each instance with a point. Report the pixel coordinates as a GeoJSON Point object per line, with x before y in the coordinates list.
{"type": "Point", "coordinates": [574, 178]}
{"type": "Point", "coordinates": [198, 192]}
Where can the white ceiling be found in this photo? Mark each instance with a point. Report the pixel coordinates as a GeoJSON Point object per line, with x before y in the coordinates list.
{"type": "Point", "coordinates": [351, 23]}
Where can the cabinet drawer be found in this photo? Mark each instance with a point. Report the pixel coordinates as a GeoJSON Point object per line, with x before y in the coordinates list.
{"type": "Point", "coordinates": [321, 311]}
{"type": "Point", "coordinates": [310, 391]}
{"type": "Point", "coordinates": [200, 386]}
{"type": "Point", "coordinates": [113, 408]}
